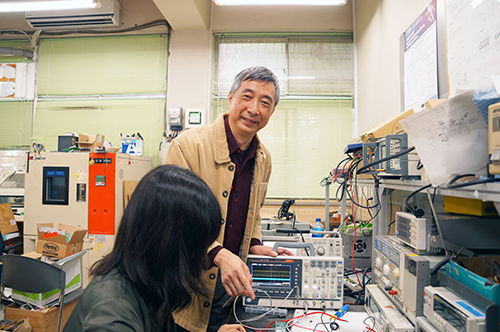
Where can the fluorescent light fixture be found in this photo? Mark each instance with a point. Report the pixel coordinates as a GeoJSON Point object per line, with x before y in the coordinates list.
{"type": "Point", "coordinates": [28, 6]}
{"type": "Point", "coordinates": [279, 2]}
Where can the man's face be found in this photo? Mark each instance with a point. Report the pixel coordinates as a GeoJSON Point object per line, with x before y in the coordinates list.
{"type": "Point", "coordinates": [250, 108]}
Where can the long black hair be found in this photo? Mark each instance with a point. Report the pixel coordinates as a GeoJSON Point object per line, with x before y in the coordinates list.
{"type": "Point", "coordinates": [162, 241]}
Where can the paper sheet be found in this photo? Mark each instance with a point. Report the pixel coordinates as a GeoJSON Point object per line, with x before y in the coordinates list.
{"type": "Point", "coordinates": [450, 138]}
{"type": "Point", "coordinates": [354, 322]}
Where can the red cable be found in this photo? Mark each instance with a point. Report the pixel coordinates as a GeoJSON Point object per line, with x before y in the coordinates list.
{"type": "Point", "coordinates": [354, 224]}
{"type": "Point", "coordinates": [304, 315]}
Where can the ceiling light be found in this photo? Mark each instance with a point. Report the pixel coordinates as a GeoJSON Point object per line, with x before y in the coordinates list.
{"type": "Point", "coordinates": [27, 5]}
{"type": "Point", "coordinates": [279, 2]}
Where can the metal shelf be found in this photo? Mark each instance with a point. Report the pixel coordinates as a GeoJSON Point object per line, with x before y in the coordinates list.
{"type": "Point", "coordinates": [485, 191]}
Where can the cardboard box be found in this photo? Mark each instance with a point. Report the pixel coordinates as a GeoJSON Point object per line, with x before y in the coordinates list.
{"type": "Point", "coordinates": [433, 102]}
{"type": "Point", "coordinates": [41, 321]}
{"type": "Point", "coordinates": [387, 127]}
{"type": "Point", "coordinates": [132, 145]}
{"type": "Point", "coordinates": [60, 246]}
{"type": "Point", "coordinates": [7, 221]}
{"type": "Point", "coordinates": [72, 266]}
{"type": "Point", "coordinates": [90, 142]}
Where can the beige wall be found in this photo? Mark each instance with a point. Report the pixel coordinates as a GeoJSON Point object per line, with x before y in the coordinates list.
{"type": "Point", "coordinates": [282, 19]}
{"type": "Point", "coordinates": [189, 69]}
{"type": "Point", "coordinates": [191, 61]}
{"type": "Point", "coordinates": [379, 24]}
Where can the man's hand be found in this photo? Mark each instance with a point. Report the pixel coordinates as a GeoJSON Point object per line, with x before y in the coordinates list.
{"type": "Point", "coordinates": [235, 275]}
{"type": "Point", "coordinates": [231, 328]}
{"type": "Point", "coordinates": [268, 251]}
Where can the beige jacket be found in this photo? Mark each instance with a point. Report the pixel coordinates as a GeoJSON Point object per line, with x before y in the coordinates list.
{"type": "Point", "coordinates": [204, 151]}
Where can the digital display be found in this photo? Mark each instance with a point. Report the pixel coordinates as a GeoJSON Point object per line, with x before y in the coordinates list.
{"type": "Point", "coordinates": [194, 117]}
{"type": "Point", "coordinates": [268, 274]}
{"type": "Point", "coordinates": [55, 185]}
{"type": "Point", "coordinates": [55, 173]}
{"type": "Point", "coordinates": [373, 305]}
{"type": "Point", "coordinates": [449, 313]}
{"type": "Point", "coordinates": [56, 188]}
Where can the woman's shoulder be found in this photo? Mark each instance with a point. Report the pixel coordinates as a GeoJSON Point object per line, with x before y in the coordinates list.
{"type": "Point", "coordinates": [109, 300]}
{"type": "Point", "coordinates": [111, 285]}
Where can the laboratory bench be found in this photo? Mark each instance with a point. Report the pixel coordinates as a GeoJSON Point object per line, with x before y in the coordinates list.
{"type": "Point", "coordinates": [353, 319]}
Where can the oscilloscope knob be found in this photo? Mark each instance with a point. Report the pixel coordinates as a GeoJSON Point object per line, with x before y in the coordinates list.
{"type": "Point", "coordinates": [320, 251]}
{"type": "Point", "coordinates": [378, 263]}
{"type": "Point", "coordinates": [386, 269]}
{"type": "Point", "coordinates": [395, 273]}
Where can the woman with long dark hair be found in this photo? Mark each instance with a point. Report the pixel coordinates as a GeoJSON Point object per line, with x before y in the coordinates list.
{"type": "Point", "coordinates": [157, 260]}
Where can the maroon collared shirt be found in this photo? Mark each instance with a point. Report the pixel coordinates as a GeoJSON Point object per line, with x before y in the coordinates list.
{"type": "Point", "coordinates": [239, 198]}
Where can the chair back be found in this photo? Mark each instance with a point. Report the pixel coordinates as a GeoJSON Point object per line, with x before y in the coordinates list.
{"type": "Point", "coordinates": [31, 275]}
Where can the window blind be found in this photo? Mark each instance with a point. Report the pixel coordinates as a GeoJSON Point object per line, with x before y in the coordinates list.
{"type": "Point", "coordinates": [102, 85]}
{"type": "Point", "coordinates": [313, 121]}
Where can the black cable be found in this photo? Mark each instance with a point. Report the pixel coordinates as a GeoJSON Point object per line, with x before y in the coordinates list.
{"type": "Point", "coordinates": [439, 265]}
{"type": "Point", "coordinates": [360, 171]}
{"type": "Point", "coordinates": [418, 211]}
{"type": "Point", "coordinates": [376, 180]}
{"type": "Point", "coordinates": [390, 224]}
{"type": "Point", "coordinates": [335, 172]}
{"type": "Point", "coordinates": [341, 186]}
{"type": "Point", "coordinates": [345, 177]}
{"type": "Point", "coordinates": [350, 175]}
{"type": "Point", "coordinates": [469, 183]}
{"type": "Point", "coordinates": [321, 318]}
{"type": "Point", "coordinates": [303, 240]}
{"type": "Point", "coordinates": [419, 165]}
{"type": "Point", "coordinates": [368, 326]}
{"type": "Point", "coordinates": [359, 205]}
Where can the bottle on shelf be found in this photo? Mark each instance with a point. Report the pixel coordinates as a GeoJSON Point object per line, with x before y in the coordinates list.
{"type": "Point", "coordinates": [318, 226]}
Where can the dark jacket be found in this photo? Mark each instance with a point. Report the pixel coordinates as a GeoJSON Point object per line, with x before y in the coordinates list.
{"type": "Point", "coordinates": [111, 303]}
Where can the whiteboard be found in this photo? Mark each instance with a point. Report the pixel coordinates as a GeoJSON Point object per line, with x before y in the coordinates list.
{"type": "Point", "coordinates": [473, 42]}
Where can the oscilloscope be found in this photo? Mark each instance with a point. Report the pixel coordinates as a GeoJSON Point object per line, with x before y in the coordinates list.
{"type": "Point", "coordinates": [297, 282]}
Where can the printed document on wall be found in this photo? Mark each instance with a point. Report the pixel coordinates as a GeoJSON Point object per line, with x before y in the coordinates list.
{"type": "Point", "coordinates": [473, 42]}
{"type": "Point", "coordinates": [420, 60]}
{"type": "Point", "coordinates": [450, 138]}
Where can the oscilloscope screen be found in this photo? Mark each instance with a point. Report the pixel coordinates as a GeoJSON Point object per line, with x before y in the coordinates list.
{"type": "Point", "coordinates": [276, 275]}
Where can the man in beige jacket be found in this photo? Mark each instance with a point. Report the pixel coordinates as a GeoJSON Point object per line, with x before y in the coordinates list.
{"type": "Point", "coordinates": [230, 158]}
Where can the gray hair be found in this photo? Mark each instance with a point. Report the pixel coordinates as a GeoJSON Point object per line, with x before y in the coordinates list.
{"type": "Point", "coordinates": [257, 73]}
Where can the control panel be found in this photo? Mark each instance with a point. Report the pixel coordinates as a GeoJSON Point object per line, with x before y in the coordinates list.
{"type": "Point", "coordinates": [413, 231]}
{"type": "Point", "coordinates": [449, 312]}
{"type": "Point", "coordinates": [324, 246]}
{"type": "Point", "coordinates": [297, 282]}
{"type": "Point", "coordinates": [386, 317]}
{"type": "Point", "coordinates": [402, 275]}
